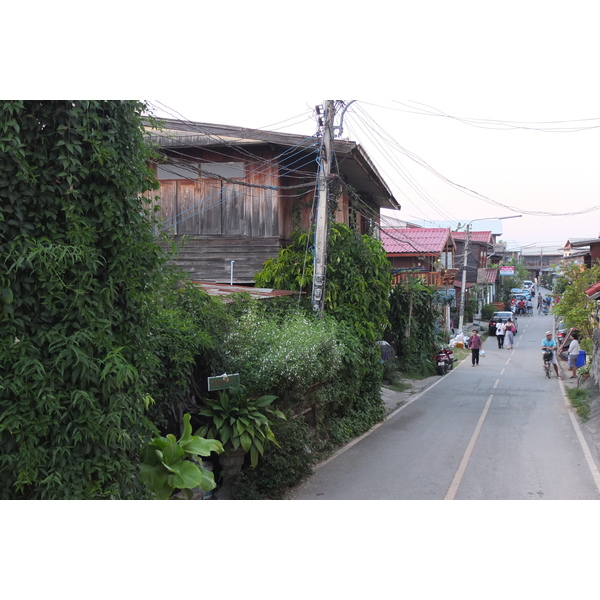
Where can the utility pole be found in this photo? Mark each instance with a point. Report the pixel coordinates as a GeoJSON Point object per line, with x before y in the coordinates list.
{"type": "Point", "coordinates": [322, 227]}
{"type": "Point", "coordinates": [465, 261]}
{"type": "Point", "coordinates": [461, 312]}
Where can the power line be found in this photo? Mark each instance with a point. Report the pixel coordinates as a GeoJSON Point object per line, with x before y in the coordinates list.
{"type": "Point", "coordinates": [473, 193]}
{"type": "Point", "coordinates": [566, 126]}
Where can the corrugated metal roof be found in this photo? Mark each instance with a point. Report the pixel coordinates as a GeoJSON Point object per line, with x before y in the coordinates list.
{"type": "Point", "coordinates": [474, 236]}
{"type": "Point", "coordinates": [215, 289]}
{"type": "Point", "coordinates": [352, 159]}
{"type": "Point", "coordinates": [582, 242]}
{"type": "Point", "coordinates": [414, 240]}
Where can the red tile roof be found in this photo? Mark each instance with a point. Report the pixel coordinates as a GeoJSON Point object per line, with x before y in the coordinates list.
{"type": "Point", "coordinates": [415, 240]}
{"type": "Point", "coordinates": [593, 290]}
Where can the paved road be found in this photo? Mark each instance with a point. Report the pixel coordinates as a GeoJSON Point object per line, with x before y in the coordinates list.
{"type": "Point", "coordinates": [498, 431]}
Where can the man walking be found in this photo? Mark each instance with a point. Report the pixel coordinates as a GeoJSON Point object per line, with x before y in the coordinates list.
{"type": "Point", "coordinates": [500, 334]}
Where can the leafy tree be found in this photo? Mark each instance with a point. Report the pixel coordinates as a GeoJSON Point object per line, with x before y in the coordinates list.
{"type": "Point", "coordinates": [358, 284]}
{"type": "Point", "coordinates": [358, 277]}
{"type": "Point", "coordinates": [412, 329]}
{"type": "Point", "coordinates": [574, 305]}
{"type": "Point", "coordinates": [514, 281]}
{"type": "Point", "coordinates": [78, 257]}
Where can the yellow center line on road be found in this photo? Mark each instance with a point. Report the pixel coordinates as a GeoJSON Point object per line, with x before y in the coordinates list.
{"type": "Point", "coordinates": [451, 493]}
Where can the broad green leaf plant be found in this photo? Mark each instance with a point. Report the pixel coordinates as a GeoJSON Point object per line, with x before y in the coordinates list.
{"type": "Point", "coordinates": [168, 464]}
{"type": "Point", "coordinates": [240, 422]}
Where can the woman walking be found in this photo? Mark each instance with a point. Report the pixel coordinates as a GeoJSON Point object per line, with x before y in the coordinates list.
{"type": "Point", "coordinates": [475, 345]}
{"type": "Point", "coordinates": [509, 333]}
{"type": "Point", "coordinates": [574, 354]}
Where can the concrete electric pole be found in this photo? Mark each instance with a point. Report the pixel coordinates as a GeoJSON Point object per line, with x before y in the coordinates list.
{"type": "Point", "coordinates": [322, 226]}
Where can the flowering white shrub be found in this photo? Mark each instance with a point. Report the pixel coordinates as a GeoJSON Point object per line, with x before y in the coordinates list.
{"type": "Point", "coordinates": [272, 354]}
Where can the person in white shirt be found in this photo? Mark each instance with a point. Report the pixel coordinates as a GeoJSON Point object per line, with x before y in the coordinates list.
{"type": "Point", "coordinates": [500, 334]}
{"type": "Point", "coordinates": [574, 354]}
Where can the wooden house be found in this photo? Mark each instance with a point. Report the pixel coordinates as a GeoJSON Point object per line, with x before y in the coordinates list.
{"type": "Point", "coordinates": [582, 251]}
{"type": "Point", "coordinates": [481, 249]}
{"type": "Point", "coordinates": [426, 253]}
{"type": "Point", "coordinates": [231, 197]}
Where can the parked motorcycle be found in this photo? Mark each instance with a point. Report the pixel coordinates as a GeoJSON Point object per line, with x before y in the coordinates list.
{"type": "Point", "coordinates": [444, 360]}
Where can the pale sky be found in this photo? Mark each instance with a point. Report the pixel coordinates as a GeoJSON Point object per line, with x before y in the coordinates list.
{"type": "Point", "coordinates": [520, 63]}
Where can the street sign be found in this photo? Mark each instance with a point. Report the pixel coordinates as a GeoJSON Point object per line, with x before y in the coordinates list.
{"type": "Point", "coordinates": [510, 271]}
{"type": "Point", "coordinates": [224, 382]}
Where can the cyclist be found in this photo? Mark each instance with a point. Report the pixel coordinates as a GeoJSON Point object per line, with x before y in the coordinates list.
{"type": "Point", "coordinates": [549, 345]}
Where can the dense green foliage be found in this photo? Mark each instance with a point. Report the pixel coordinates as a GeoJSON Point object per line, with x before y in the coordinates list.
{"type": "Point", "coordinates": [77, 260]}
{"type": "Point", "coordinates": [487, 311]}
{"type": "Point", "coordinates": [358, 277]}
{"type": "Point", "coordinates": [187, 328]}
{"type": "Point", "coordinates": [282, 466]}
{"type": "Point", "coordinates": [575, 306]}
{"type": "Point", "coordinates": [412, 330]}
{"type": "Point", "coordinates": [308, 361]}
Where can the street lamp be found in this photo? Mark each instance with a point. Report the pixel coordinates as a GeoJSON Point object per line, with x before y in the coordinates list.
{"type": "Point", "coordinates": [464, 267]}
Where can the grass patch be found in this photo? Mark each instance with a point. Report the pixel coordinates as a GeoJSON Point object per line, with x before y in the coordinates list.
{"type": "Point", "coordinates": [461, 353]}
{"type": "Point", "coordinates": [399, 386]}
{"type": "Point", "coordinates": [580, 400]}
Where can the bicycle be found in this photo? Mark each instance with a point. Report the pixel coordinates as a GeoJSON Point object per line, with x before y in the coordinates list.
{"type": "Point", "coordinates": [547, 363]}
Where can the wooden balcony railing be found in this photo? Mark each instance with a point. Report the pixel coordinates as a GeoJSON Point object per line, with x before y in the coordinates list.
{"type": "Point", "coordinates": [435, 279]}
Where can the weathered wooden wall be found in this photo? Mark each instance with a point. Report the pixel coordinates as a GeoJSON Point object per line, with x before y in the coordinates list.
{"type": "Point", "coordinates": [246, 219]}
{"type": "Point", "coordinates": [209, 258]}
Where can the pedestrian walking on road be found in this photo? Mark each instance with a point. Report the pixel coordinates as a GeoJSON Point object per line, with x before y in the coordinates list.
{"type": "Point", "coordinates": [475, 345]}
{"type": "Point", "coordinates": [500, 334]}
{"type": "Point", "coordinates": [509, 333]}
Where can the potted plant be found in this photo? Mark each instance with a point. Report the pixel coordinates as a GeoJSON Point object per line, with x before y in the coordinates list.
{"type": "Point", "coordinates": [584, 371]}
{"type": "Point", "coordinates": [241, 424]}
